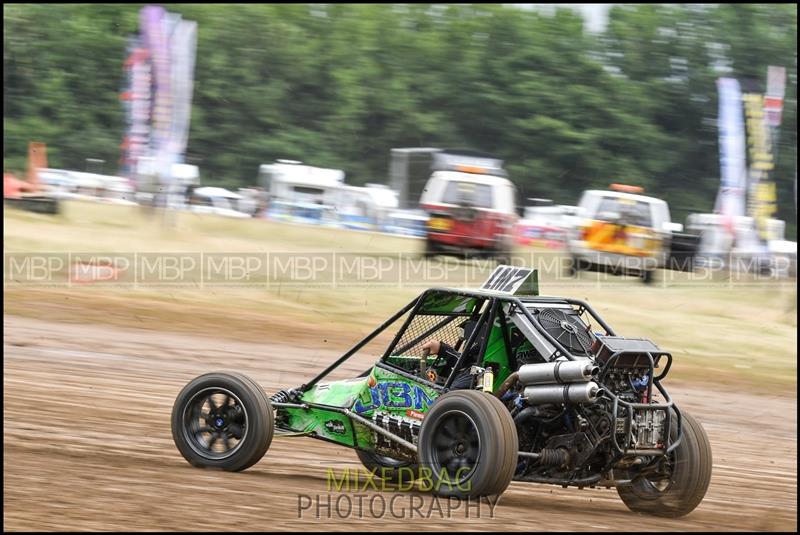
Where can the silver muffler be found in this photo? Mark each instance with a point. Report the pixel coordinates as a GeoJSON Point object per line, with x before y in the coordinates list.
{"type": "Point", "coordinates": [567, 393]}
{"type": "Point", "coordinates": [561, 371]}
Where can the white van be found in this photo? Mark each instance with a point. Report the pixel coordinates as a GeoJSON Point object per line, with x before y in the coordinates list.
{"type": "Point", "coordinates": [213, 200]}
{"type": "Point", "coordinates": [471, 210]}
{"type": "Point", "coordinates": [621, 231]}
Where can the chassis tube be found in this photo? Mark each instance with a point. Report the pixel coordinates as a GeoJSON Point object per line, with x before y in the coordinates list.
{"type": "Point", "coordinates": [566, 353]}
{"type": "Point", "coordinates": [353, 416]}
{"type": "Point", "coordinates": [560, 349]}
{"type": "Point", "coordinates": [486, 315]}
{"type": "Point", "coordinates": [358, 346]}
{"type": "Point", "coordinates": [585, 482]}
{"type": "Point", "coordinates": [669, 404]}
{"type": "Point", "coordinates": [379, 429]}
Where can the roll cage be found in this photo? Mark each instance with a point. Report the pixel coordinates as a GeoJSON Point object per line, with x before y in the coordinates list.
{"type": "Point", "coordinates": [489, 307]}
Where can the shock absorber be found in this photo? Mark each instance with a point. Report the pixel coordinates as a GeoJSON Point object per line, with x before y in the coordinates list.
{"type": "Point", "coordinates": [281, 397]}
{"type": "Point", "coordinates": [553, 457]}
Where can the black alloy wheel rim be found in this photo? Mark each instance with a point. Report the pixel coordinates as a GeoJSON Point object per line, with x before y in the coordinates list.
{"type": "Point", "coordinates": [215, 423]}
{"type": "Point", "coordinates": [456, 446]}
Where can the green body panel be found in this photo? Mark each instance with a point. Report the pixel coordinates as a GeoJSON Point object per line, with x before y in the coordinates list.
{"type": "Point", "coordinates": [531, 284]}
{"type": "Point", "coordinates": [447, 303]}
{"type": "Point", "coordinates": [496, 354]}
{"type": "Point", "coordinates": [327, 424]}
{"type": "Point", "coordinates": [408, 362]}
{"type": "Point", "coordinates": [336, 393]}
{"type": "Point", "coordinates": [382, 392]}
{"type": "Point", "coordinates": [392, 393]}
{"type": "Point", "coordinates": [323, 423]}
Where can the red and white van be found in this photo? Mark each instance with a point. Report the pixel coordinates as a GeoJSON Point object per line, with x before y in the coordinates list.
{"type": "Point", "coordinates": [472, 212]}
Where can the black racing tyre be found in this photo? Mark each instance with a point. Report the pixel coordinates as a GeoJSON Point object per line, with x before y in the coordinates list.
{"type": "Point", "coordinates": [503, 253]}
{"type": "Point", "coordinates": [431, 249]}
{"type": "Point", "coordinates": [510, 431]}
{"type": "Point", "coordinates": [468, 445]}
{"type": "Point", "coordinates": [389, 469]}
{"type": "Point", "coordinates": [689, 472]}
{"type": "Point", "coordinates": [648, 276]}
{"type": "Point", "coordinates": [222, 420]}
{"type": "Point", "coordinates": [573, 266]}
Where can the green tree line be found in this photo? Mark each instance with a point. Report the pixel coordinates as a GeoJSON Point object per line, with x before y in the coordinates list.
{"type": "Point", "coordinates": [339, 85]}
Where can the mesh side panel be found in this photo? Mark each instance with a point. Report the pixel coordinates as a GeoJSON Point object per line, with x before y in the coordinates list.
{"type": "Point", "coordinates": [429, 327]}
{"type": "Point", "coordinates": [363, 359]}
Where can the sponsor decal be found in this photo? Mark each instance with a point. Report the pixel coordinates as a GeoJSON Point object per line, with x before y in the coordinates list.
{"type": "Point", "coordinates": [335, 426]}
{"type": "Point", "coordinates": [411, 413]}
{"type": "Point", "coordinates": [395, 394]}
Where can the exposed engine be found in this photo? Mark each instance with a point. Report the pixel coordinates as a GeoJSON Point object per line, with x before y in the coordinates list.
{"type": "Point", "coordinates": [569, 430]}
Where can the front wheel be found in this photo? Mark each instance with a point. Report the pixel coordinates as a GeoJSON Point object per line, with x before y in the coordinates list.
{"type": "Point", "coordinates": [682, 480]}
{"type": "Point", "coordinates": [468, 445]}
{"type": "Point", "coordinates": [223, 421]}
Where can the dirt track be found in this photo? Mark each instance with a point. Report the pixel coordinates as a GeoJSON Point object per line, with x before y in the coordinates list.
{"type": "Point", "coordinates": [87, 446]}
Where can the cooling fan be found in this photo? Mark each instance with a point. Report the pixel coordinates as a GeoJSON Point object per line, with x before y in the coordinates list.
{"type": "Point", "coordinates": [568, 329]}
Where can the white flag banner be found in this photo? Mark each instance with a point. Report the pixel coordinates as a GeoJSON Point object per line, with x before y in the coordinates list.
{"type": "Point", "coordinates": [733, 167]}
{"type": "Point", "coordinates": [183, 45]}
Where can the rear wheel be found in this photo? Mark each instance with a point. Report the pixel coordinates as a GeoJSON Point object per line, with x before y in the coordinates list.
{"type": "Point", "coordinates": [431, 249]}
{"type": "Point", "coordinates": [223, 421]}
{"type": "Point", "coordinates": [503, 259]}
{"type": "Point", "coordinates": [575, 265]}
{"type": "Point", "coordinates": [468, 445]}
{"type": "Point", "coordinates": [682, 480]}
{"type": "Point", "coordinates": [571, 267]}
{"type": "Point", "coordinates": [503, 253]}
{"type": "Point", "coordinates": [648, 276]}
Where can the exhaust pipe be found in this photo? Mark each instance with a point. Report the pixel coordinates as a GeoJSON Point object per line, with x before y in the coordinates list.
{"type": "Point", "coordinates": [561, 372]}
{"type": "Point", "coordinates": [569, 393]}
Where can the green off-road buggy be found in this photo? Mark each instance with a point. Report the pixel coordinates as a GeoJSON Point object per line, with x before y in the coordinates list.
{"type": "Point", "coordinates": [478, 388]}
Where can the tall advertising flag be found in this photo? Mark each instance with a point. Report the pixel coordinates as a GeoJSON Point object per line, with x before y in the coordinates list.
{"type": "Point", "coordinates": [763, 114]}
{"type": "Point", "coordinates": [153, 21]}
{"type": "Point", "coordinates": [773, 100]}
{"type": "Point", "coordinates": [136, 99]}
{"type": "Point", "coordinates": [761, 198]}
{"type": "Point", "coordinates": [183, 44]}
{"type": "Point", "coordinates": [158, 93]}
{"type": "Point", "coordinates": [733, 168]}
